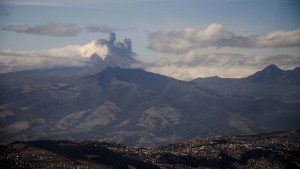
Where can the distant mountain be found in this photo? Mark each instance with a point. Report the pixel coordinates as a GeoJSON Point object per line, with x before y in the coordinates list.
{"type": "Point", "coordinates": [133, 107]}
{"type": "Point", "coordinates": [271, 82]}
{"type": "Point", "coordinates": [275, 74]}
{"type": "Point", "coordinates": [103, 53]}
{"type": "Point", "coordinates": [89, 58]}
{"type": "Point", "coordinates": [269, 73]}
{"type": "Point", "coordinates": [109, 53]}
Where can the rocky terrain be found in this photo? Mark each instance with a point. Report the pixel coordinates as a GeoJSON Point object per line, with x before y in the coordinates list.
{"type": "Point", "coordinates": [273, 150]}
{"type": "Point", "coordinates": [135, 107]}
{"type": "Point", "coordinates": [109, 100]}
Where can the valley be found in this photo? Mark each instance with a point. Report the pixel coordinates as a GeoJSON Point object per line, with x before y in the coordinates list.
{"type": "Point", "coordinates": [135, 107]}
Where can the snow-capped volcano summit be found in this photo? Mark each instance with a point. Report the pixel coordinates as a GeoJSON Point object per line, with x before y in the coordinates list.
{"type": "Point", "coordinates": [103, 48]}
{"type": "Point", "coordinates": [98, 54]}
{"type": "Point", "coordinates": [94, 47]}
{"type": "Point", "coordinates": [109, 52]}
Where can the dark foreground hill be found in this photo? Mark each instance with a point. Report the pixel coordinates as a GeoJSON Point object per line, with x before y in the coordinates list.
{"type": "Point", "coordinates": [274, 150]}
{"type": "Point", "coordinates": [135, 107]}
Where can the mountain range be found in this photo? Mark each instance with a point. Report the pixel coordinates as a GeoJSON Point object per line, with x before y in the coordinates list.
{"type": "Point", "coordinates": [136, 107]}
{"type": "Point", "coordinates": [271, 82]}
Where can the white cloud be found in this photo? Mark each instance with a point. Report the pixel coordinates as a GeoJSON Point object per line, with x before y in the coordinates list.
{"type": "Point", "coordinates": [10, 61]}
{"type": "Point", "coordinates": [216, 35]}
{"type": "Point", "coordinates": [193, 65]}
{"type": "Point", "coordinates": [94, 47]}
{"type": "Point", "coordinates": [71, 55]}
{"type": "Point", "coordinates": [280, 38]}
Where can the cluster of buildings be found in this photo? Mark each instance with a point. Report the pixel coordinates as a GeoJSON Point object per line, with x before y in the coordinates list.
{"type": "Point", "coordinates": [276, 150]}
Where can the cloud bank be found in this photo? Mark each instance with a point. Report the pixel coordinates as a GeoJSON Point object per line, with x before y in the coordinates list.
{"type": "Point", "coordinates": [193, 65]}
{"type": "Point", "coordinates": [58, 29]}
{"type": "Point", "coordinates": [52, 29]}
{"type": "Point", "coordinates": [11, 61]}
{"type": "Point", "coordinates": [185, 65]}
{"type": "Point", "coordinates": [216, 35]}
{"type": "Point", "coordinates": [71, 55]}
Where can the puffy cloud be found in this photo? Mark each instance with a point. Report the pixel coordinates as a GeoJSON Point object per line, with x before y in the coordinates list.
{"type": "Point", "coordinates": [279, 38]}
{"type": "Point", "coordinates": [193, 65]}
{"type": "Point", "coordinates": [101, 52]}
{"type": "Point", "coordinates": [71, 55]}
{"type": "Point", "coordinates": [15, 61]}
{"type": "Point", "coordinates": [105, 29]}
{"type": "Point", "coordinates": [216, 35]}
{"type": "Point", "coordinates": [53, 29]}
{"type": "Point", "coordinates": [84, 51]}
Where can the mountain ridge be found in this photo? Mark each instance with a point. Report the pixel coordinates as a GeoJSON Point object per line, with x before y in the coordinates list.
{"type": "Point", "coordinates": [270, 82]}
{"type": "Point", "coordinates": [131, 106]}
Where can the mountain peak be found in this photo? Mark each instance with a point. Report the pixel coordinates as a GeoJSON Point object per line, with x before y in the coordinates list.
{"type": "Point", "coordinates": [272, 67]}
{"type": "Point", "coordinates": [109, 52]}
{"type": "Point", "coordinates": [270, 72]}
{"type": "Point", "coordinates": [139, 77]}
{"type": "Point", "coordinates": [106, 47]}
{"type": "Point", "coordinates": [112, 37]}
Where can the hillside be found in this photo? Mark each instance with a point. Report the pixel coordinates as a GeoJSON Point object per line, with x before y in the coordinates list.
{"type": "Point", "coordinates": [273, 150]}
{"type": "Point", "coordinates": [130, 106]}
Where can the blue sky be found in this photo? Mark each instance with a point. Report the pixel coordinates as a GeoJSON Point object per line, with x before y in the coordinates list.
{"type": "Point", "coordinates": [243, 17]}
